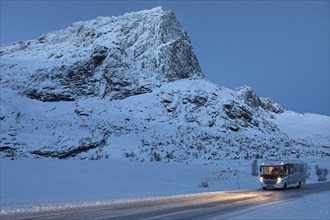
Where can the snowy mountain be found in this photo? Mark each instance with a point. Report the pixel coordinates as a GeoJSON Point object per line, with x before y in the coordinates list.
{"type": "Point", "coordinates": [117, 57]}
{"type": "Point", "coordinates": [131, 87]}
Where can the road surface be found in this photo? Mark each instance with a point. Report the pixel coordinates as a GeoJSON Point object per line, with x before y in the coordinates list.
{"type": "Point", "coordinates": [216, 205]}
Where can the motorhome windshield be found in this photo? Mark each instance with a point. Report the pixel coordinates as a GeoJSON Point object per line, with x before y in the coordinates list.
{"type": "Point", "coordinates": [273, 170]}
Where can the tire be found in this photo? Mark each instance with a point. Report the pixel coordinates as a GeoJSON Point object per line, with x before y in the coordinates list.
{"type": "Point", "coordinates": [264, 188]}
{"type": "Point", "coordinates": [284, 186]}
{"type": "Point", "coordinates": [299, 185]}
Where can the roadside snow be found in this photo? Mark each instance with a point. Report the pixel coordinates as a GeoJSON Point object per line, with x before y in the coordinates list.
{"type": "Point", "coordinates": [47, 184]}
{"type": "Point", "coordinates": [48, 180]}
{"type": "Point", "coordinates": [311, 207]}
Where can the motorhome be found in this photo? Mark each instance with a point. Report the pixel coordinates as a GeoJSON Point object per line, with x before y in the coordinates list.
{"type": "Point", "coordinates": [282, 174]}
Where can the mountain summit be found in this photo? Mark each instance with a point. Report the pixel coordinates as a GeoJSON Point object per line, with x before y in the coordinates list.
{"type": "Point", "coordinates": [107, 56]}
{"type": "Point", "coordinates": [131, 87]}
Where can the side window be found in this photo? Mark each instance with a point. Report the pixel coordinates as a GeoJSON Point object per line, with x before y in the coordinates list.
{"type": "Point", "coordinates": [290, 168]}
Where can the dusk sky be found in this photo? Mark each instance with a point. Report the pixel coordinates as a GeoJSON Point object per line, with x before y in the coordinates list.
{"type": "Point", "coordinates": [279, 48]}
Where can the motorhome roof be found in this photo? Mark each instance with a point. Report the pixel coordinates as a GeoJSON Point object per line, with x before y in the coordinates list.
{"type": "Point", "coordinates": [281, 162]}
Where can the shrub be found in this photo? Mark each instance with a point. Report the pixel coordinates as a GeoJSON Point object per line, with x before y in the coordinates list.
{"type": "Point", "coordinates": [321, 173]}
{"type": "Point", "coordinates": [95, 157]}
{"type": "Point", "coordinates": [130, 155]}
{"type": "Point", "coordinates": [204, 184]}
{"type": "Point", "coordinates": [156, 157]}
{"type": "Point", "coordinates": [169, 155]}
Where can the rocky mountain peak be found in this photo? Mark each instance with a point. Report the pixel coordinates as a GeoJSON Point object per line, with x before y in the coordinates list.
{"type": "Point", "coordinates": [107, 56]}
{"type": "Point", "coordinates": [253, 100]}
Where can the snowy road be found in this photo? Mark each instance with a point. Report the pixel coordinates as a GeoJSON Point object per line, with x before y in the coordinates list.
{"type": "Point", "coordinates": [217, 205]}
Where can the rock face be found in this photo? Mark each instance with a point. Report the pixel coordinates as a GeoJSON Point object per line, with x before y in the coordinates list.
{"type": "Point", "coordinates": [117, 57]}
{"type": "Point", "coordinates": [130, 87]}
{"type": "Point", "coordinates": [251, 99]}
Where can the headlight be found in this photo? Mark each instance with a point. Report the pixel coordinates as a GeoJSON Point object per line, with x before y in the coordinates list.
{"type": "Point", "coordinates": [279, 179]}
{"type": "Point", "coordinates": [261, 179]}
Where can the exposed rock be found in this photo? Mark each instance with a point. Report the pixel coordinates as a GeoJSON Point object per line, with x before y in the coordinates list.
{"type": "Point", "coordinates": [47, 96]}
{"type": "Point", "coordinates": [270, 105]}
{"type": "Point", "coordinates": [133, 54]}
{"type": "Point", "coordinates": [70, 152]}
{"type": "Point", "coordinates": [98, 55]}
{"type": "Point", "coordinates": [253, 100]}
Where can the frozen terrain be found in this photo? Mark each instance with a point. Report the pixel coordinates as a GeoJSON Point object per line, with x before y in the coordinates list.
{"type": "Point", "coordinates": [310, 207]}
{"type": "Point", "coordinates": [131, 87]}
{"type": "Point", "coordinates": [115, 109]}
{"type": "Point", "coordinates": [46, 184]}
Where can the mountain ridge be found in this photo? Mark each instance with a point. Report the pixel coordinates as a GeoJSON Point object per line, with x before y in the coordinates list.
{"type": "Point", "coordinates": [131, 87]}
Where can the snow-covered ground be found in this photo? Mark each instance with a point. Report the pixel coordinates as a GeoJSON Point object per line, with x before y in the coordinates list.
{"type": "Point", "coordinates": [311, 127]}
{"type": "Point", "coordinates": [199, 130]}
{"type": "Point", "coordinates": [311, 207]}
{"type": "Point", "coordinates": [45, 184]}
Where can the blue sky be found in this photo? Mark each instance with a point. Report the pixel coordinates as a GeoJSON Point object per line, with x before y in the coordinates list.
{"type": "Point", "coordinates": [279, 48]}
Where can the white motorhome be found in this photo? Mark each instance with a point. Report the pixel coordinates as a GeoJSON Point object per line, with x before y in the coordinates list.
{"type": "Point", "coordinates": [282, 174]}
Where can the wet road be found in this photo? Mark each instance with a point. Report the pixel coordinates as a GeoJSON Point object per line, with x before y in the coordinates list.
{"type": "Point", "coordinates": [217, 205]}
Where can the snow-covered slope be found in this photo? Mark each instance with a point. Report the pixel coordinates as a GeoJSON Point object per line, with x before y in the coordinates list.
{"type": "Point", "coordinates": [305, 127]}
{"type": "Point", "coordinates": [131, 87]}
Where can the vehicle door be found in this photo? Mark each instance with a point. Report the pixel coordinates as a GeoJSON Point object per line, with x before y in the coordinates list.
{"type": "Point", "coordinates": [291, 175]}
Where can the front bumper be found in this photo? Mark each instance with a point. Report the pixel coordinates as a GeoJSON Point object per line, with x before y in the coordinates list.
{"type": "Point", "coordinates": [275, 185]}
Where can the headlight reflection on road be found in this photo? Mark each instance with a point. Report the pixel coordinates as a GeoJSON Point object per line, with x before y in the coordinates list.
{"type": "Point", "coordinates": [239, 195]}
